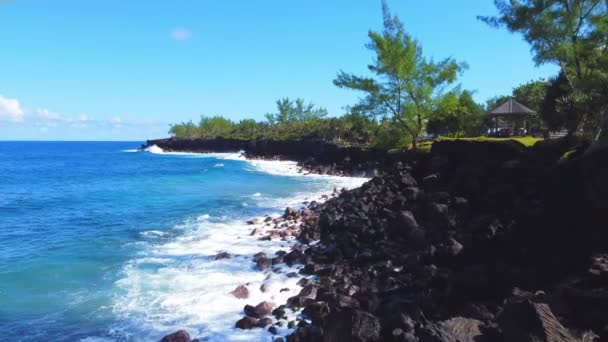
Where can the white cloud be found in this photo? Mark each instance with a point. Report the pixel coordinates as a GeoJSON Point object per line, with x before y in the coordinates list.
{"type": "Point", "coordinates": [10, 110]}
{"type": "Point", "coordinates": [48, 118]}
{"type": "Point", "coordinates": [46, 114]}
{"type": "Point", "coordinates": [181, 34]}
{"type": "Point", "coordinates": [81, 121]}
{"type": "Point", "coordinates": [116, 122]}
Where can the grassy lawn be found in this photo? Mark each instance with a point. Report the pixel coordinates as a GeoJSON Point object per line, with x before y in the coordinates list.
{"type": "Point", "coordinates": [526, 141]}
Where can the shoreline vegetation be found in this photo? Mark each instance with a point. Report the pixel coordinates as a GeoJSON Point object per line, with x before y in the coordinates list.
{"type": "Point", "coordinates": [457, 236]}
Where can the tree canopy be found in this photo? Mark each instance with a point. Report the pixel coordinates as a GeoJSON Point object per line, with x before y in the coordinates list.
{"type": "Point", "coordinates": [572, 34]}
{"type": "Point", "coordinates": [406, 86]}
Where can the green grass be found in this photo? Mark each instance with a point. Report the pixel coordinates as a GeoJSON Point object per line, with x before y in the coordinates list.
{"type": "Point", "coordinates": [526, 141]}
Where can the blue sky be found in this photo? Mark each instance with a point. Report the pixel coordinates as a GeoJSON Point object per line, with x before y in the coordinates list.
{"type": "Point", "coordinates": [124, 70]}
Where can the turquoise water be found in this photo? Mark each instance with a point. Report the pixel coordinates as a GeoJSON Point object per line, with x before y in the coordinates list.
{"type": "Point", "coordinates": [99, 242]}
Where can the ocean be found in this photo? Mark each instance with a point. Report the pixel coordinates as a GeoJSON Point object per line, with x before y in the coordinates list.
{"type": "Point", "coordinates": [102, 242]}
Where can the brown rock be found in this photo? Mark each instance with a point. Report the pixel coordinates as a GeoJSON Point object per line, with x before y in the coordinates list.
{"type": "Point", "coordinates": [246, 323]}
{"type": "Point", "coordinates": [178, 336]}
{"type": "Point", "coordinates": [261, 310]}
{"type": "Point", "coordinates": [241, 292]}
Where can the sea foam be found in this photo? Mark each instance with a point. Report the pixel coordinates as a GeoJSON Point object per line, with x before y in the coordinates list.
{"type": "Point", "coordinates": [176, 283]}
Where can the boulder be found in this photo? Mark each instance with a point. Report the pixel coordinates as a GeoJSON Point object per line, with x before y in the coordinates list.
{"type": "Point", "coordinates": [351, 325]}
{"type": "Point", "coordinates": [527, 321]}
{"type": "Point", "coordinates": [457, 329]}
{"type": "Point", "coordinates": [246, 323]}
{"type": "Point", "coordinates": [263, 263]}
{"type": "Point", "coordinates": [222, 255]}
{"type": "Point", "coordinates": [264, 322]}
{"type": "Point", "coordinates": [178, 336]}
{"type": "Point", "coordinates": [261, 310]}
{"type": "Point", "coordinates": [241, 292]}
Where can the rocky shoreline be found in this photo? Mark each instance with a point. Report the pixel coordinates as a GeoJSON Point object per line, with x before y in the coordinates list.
{"type": "Point", "coordinates": [472, 242]}
{"type": "Point", "coordinates": [312, 156]}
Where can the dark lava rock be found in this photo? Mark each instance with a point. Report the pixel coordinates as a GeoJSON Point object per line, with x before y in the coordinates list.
{"type": "Point", "coordinates": [351, 325]}
{"type": "Point", "coordinates": [279, 312]}
{"type": "Point", "coordinates": [306, 334]}
{"type": "Point", "coordinates": [264, 322]}
{"type": "Point", "coordinates": [178, 336]}
{"type": "Point", "coordinates": [246, 323]}
{"type": "Point", "coordinates": [527, 321]}
{"type": "Point", "coordinates": [457, 329]}
{"type": "Point", "coordinates": [304, 282]}
{"type": "Point", "coordinates": [241, 292]}
{"type": "Point", "coordinates": [263, 263]}
{"type": "Point", "coordinates": [316, 311]}
{"type": "Point", "coordinates": [222, 255]}
{"type": "Point", "coordinates": [261, 310]}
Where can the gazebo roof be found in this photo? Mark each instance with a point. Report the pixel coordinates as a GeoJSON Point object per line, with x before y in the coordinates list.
{"type": "Point", "coordinates": [511, 107]}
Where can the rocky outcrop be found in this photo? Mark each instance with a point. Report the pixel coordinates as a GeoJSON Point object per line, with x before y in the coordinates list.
{"type": "Point", "coordinates": [472, 242]}
{"type": "Point", "coordinates": [478, 242]}
{"type": "Point", "coordinates": [313, 156]}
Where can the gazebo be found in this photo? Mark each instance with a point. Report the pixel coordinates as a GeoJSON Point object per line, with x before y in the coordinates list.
{"type": "Point", "coordinates": [510, 111]}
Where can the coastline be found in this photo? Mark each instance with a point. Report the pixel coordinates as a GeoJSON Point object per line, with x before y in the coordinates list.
{"type": "Point", "coordinates": [270, 235]}
{"type": "Point", "coordinates": [432, 250]}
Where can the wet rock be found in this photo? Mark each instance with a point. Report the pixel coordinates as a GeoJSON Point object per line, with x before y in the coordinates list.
{"type": "Point", "coordinates": [316, 311]}
{"type": "Point", "coordinates": [264, 322]}
{"type": "Point", "coordinates": [257, 231]}
{"type": "Point", "coordinates": [253, 221]}
{"type": "Point", "coordinates": [258, 256]}
{"type": "Point", "coordinates": [241, 292]}
{"type": "Point", "coordinates": [261, 310]}
{"type": "Point", "coordinates": [178, 336]}
{"type": "Point", "coordinates": [279, 312]}
{"type": "Point", "coordinates": [298, 302]}
{"type": "Point", "coordinates": [246, 323]}
{"type": "Point", "coordinates": [304, 282]}
{"type": "Point", "coordinates": [309, 291]}
{"type": "Point", "coordinates": [222, 255]}
{"type": "Point", "coordinates": [263, 264]}
{"type": "Point", "coordinates": [294, 257]}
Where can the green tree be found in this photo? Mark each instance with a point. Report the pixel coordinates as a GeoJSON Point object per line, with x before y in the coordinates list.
{"type": "Point", "coordinates": [247, 129]}
{"type": "Point", "coordinates": [215, 127]}
{"type": "Point", "coordinates": [570, 33]}
{"type": "Point", "coordinates": [184, 130]}
{"type": "Point", "coordinates": [457, 115]}
{"type": "Point", "coordinates": [531, 94]}
{"type": "Point", "coordinates": [406, 85]}
{"type": "Point", "coordinates": [496, 101]}
{"type": "Point", "coordinates": [295, 111]}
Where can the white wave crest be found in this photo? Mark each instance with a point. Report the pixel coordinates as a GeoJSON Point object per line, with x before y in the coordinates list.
{"type": "Point", "coordinates": [154, 149]}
